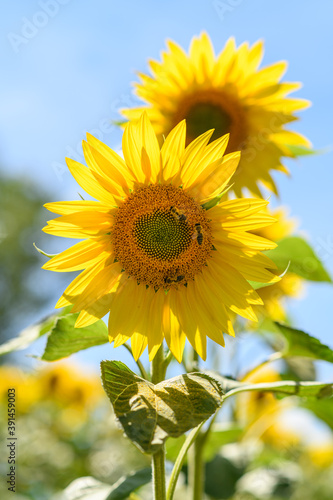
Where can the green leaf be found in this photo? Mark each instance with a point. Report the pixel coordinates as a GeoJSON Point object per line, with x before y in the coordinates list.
{"type": "Point", "coordinates": [31, 333]}
{"type": "Point", "coordinates": [173, 447]}
{"type": "Point", "coordinates": [150, 413]}
{"type": "Point", "coordinates": [298, 254]}
{"type": "Point", "coordinates": [65, 339]}
{"type": "Point", "coordinates": [88, 488]}
{"type": "Point", "coordinates": [299, 368]}
{"type": "Point", "coordinates": [299, 343]}
{"type": "Point", "coordinates": [221, 476]}
{"type": "Point", "coordinates": [127, 484]}
{"type": "Point", "coordinates": [221, 433]}
{"type": "Point", "coordinates": [323, 410]}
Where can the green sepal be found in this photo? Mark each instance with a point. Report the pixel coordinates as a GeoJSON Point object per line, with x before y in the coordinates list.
{"type": "Point", "coordinates": [39, 250]}
{"type": "Point", "coordinates": [215, 201]}
{"type": "Point", "coordinates": [304, 151]}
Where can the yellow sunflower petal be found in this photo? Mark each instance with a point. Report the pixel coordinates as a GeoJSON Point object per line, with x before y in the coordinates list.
{"type": "Point", "coordinates": [214, 179]}
{"type": "Point", "coordinates": [155, 339]}
{"type": "Point", "coordinates": [77, 257]}
{"type": "Point", "coordinates": [79, 284]}
{"type": "Point", "coordinates": [192, 152]}
{"type": "Point", "coordinates": [100, 285]}
{"type": "Point", "coordinates": [113, 181]}
{"type": "Point", "coordinates": [173, 333]}
{"type": "Point", "coordinates": [70, 207]}
{"type": "Point", "coordinates": [138, 344]}
{"type": "Point", "coordinates": [172, 150]}
{"type": "Point", "coordinates": [88, 182]}
{"type": "Point", "coordinates": [80, 225]}
{"type": "Point", "coordinates": [189, 324]}
{"type": "Point", "coordinates": [93, 313]}
{"type": "Point", "coordinates": [113, 166]}
{"type": "Point", "coordinates": [120, 322]}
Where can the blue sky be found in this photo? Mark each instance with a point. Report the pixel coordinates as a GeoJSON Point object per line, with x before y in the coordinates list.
{"type": "Point", "coordinates": [68, 65]}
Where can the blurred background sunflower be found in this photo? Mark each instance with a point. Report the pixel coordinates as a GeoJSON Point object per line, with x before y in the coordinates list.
{"type": "Point", "coordinates": [227, 92]}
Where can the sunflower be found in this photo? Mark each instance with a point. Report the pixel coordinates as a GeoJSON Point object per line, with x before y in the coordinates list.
{"type": "Point", "coordinates": [230, 94]}
{"type": "Point", "coordinates": [291, 285]}
{"type": "Point", "coordinates": [261, 414]}
{"type": "Point", "coordinates": [158, 252]}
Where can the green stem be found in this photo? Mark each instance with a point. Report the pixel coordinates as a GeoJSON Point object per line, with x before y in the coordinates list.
{"type": "Point", "coordinates": [180, 460]}
{"type": "Point", "coordinates": [194, 361]}
{"type": "Point", "coordinates": [158, 370]}
{"type": "Point", "coordinates": [196, 469]}
{"type": "Point", "coordinates": [195, 462]}
{"type": "Point", "coordinates": [167, 360]}
{"type": "Point", "coordinates": [158, 460]}
{"type": "Point", "coordinates": [143, 372]}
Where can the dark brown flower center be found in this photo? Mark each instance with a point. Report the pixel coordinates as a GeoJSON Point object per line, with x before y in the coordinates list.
{"type": "Point", "coordinates": [212, 109]}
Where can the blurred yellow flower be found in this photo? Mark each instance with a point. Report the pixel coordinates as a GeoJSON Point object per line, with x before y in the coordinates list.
{"type": "Point", "coordinates": [259, 412]}
{"type": "Point", "coordinates": [69, 386]}
{"type": "Point", "coordinates": [62, 384]}
{"type": "Point", "coordinates": [290, 285]}
{"type": "Point", "coordinates": [321, 455]}
{"type": "Point", "coordinates": [27, 388]}
{"type": "Point", "coordinates": [230, 94]}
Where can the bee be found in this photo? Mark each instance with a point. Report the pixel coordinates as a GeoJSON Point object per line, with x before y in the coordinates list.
{"type": "Point", "coordinates": [176, 279]}
{"type": "Point", "coordinates": [178, 214]}
{"type": "Point", "coordinates": [198, 233]}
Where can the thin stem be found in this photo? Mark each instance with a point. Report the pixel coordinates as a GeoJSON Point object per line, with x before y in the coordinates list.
{"type": "Point", "coordinates": [194, 361]}
{"type": "Point", "coordinates": [195, 462]}
{"type": "Point", "coordinates": [180, 460]}
{"type": "Point", "coordinates": [167, 360]}
{"type": "Point", "coordinates": [205, 435]}
{"type": "Point", "coordinates": [196, 469]}
{"type": "Point", "coordinates": [158, 370]}
{"type": "Point", "coordinates": [143, 372]}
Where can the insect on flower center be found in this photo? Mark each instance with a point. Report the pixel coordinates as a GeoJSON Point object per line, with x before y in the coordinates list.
{"type": "Point", "coordinates": [161, 236]}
